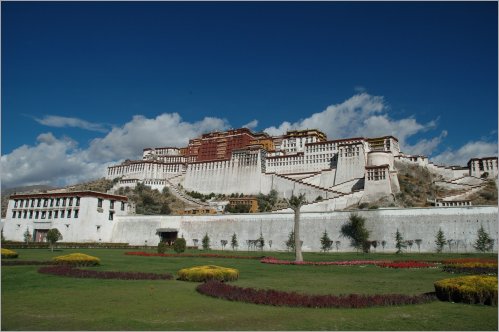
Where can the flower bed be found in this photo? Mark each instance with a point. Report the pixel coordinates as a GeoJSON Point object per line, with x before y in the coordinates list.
{"type": "Point", "coordinates": [406, 265]}
{"type": "Point", "coordinates": [278, 298]}
{"type": "Point", "coordinates": [471, 263]}
{"type": "Point", "coordinates": [470, 270]}
{"type": "Point", "coordinates": [147, 254]}
{"type": "Point", "coordinates": [69, 271]}
{"type": "Point", "coordinates": [208, 272]}
{"type": "Point", "coordinates": [18, 263]}
{"type": "Point", "coordinates": [468, 289]}
{"type": "Point", "coordinates": [7, 253]}
{"type": "Point", "coordinates": [77, 259]}
{"type": "Point", "coordinates": [272, 260]}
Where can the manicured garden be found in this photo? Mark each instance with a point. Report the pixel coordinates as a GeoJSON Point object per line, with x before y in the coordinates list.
{"type": "Point", "coordinates": [130, 290]}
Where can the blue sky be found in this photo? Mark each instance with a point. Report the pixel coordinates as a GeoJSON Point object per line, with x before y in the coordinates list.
{"type": "Point", "coordinates": [88, 84]}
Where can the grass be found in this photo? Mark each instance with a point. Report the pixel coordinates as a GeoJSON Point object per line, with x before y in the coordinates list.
{"type": "Point", "coordinates": [33, 301]}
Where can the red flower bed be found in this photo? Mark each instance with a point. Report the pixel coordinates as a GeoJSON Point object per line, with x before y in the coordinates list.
{"type": "Point", "coordinates": [278, 298]}
{"type": "Point", "coordinates": [147, 254]}
{"type": "Point", "coordinates": [406, 265]}
{"type": "Point", "coordinates": [68, 271]}
{"type": "Point", "coordinates": [272, 260]}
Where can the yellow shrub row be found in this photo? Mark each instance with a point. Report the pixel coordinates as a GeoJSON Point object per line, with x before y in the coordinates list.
{"type": "Point", "coordinates": [468, 289]}
{"type": "Point", "coordinates": [77, 259]}
{"type": "Point", "coordinates": [208, 272]}
{"type": "Point", "coordinates": [474, 264]}
{"type": "Point", "coordinates": [7, 253]}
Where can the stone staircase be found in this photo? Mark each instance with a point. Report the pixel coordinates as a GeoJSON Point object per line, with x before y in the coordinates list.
{"type": "Point", "coordinates": [339, 193]}
{"type": "Point", "coordinates": [175, 190]}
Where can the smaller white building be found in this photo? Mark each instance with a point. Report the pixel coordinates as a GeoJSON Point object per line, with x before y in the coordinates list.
{"type": "Point", "coordinates": [80, 216]}
{"type": "Point", "coordinates": [479, 166]}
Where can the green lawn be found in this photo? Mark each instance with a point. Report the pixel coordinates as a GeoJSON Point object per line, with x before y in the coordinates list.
{"type": "Point", "coordinates": [33, 301]}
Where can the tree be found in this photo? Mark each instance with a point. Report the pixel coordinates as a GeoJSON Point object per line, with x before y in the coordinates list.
{"type": "Point", "coordinates": [267, 202]}
{"type": "Point", "coordinates": [483, 242]}
{"type": "Point", "coordinates": [223, 243]}
{"type": "Point", "coordinates": [179, 245]}
{"type": "Point", "coordinates": [233, 242]}
{"type": "Point", "coordinates": [418, 242]}
{"type": "Point", "coordinates": [27, 236]}
{"type": "Point", "coordinates": [295, 203]}
{"type": "Point", "coordinates": [399, 242]}
{"type": "Point", "coordinates": [260, 242]}
{"type": "Point", "coordinates": [356, 231]}
{"type": "Point", "coordinates": [53, 235]}
{"type": "Point", "coordinates": [290, 243]}
{"type": "Point", "coordinates": [326, 242]}
{"type": "Point", "coordinates": [440, 240]}
{"type": "Point", "coordinates": [206, 242]}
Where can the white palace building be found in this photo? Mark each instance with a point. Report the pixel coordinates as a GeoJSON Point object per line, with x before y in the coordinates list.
{"type": "Point", "coordinates": [332, 174]}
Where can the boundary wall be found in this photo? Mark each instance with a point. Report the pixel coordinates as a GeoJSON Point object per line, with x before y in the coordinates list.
{"type": "Point", "coordinates": [459, 224]}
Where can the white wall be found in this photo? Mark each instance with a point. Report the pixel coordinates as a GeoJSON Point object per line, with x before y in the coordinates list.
{"type": "Point", "coordinates": [457, 223]}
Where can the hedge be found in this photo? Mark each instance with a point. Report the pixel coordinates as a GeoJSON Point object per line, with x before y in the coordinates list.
{"type": "Point", "coordinates": [468, 289]}
{"type": "Point", "coordinates": [6, 253]}
{"type": "Point", "coordinates": [208, 272]}
{"type": "Point", "coordinates": [279, 298]}
{"type": "Point", "coordinates": [69, 271]}
{"type": "Point", "coordinates": [77, 259]}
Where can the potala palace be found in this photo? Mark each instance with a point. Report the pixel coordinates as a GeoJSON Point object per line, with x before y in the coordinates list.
{"type": "Point", "coordinates": [334, 175]}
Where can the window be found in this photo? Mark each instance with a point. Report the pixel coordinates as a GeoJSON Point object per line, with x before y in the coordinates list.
{"type": "Point", "coordinates": [15, 203]}
{"type": "Point", "coordinates": [99, 202]}
{"type": "Point", "coordinates": [25, 215]}
{"type": "Point", "coordinates": [39, 202]}
{"type": "Point", "coordinates": [70, 201]}
{"type": "Point", "coordinates": [31, 214]}
{"type": "Point", "coordinates": [77, 201]}
{"type": "Point", "coordinates": [32, 202]}
{"type": "Point", "coordinates": [45, 202]}
{"type": "Point", "coordinates": [44, 214]}
{"type": "Point", "coordinates": [51, 202]}
{"type": "Point", "coordinates": [50, 214]}
{"type": "Point", "coordinates": [122, 206]}
{"type": "Point", "coordinates": [57, 201]}
{"type": "Point", "coordinates": [111, 204]}
{"type": "Point", "coordinates": [37, 214]}
{"type": "Point", "coordinates": [76, 213]}
{"type": "Point", "coordinates": [64, 201]}
{"type": "Point", "coordinates": [111, 213]}
{"type": "Point", "coordinates": [62, 213]}
{"type": "Point", "coordinates": [69, 214]}
{"type": "Point", "coordinates": [56, 214]}
{"type": "Point", "coordinates": [13, 214]}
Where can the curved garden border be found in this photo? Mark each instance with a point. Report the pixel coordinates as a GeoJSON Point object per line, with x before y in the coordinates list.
{"type": "Point", "coordinates": [68, 271]}
{"type": "Point", "coordinates": [279, 298]}
{"type": "Point", "coordinates": [147, 254]}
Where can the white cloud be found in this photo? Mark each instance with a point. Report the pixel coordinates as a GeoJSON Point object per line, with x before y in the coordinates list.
{"type": "Point", "coordinates": [251, 125]}
{"type": "Point", "coordinates": [361, 115]}
{"type": "Point", "coordinates": [60, 161]}
{"type": "Point", "coordinates": [62, 121]}
{"type": "Point", "coordinates": [461, 156]}
{"type": "Point", "coordinates": [426, 146]}
{"type": "Point", "coordinates": [48, 162]}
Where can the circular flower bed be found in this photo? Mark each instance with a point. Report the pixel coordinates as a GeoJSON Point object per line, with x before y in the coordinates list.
{"type": "Point", "coordinates": [278, 298]}
{"type": "Point", "coordinates": [147, 254]}
{"type": "Point", "coordinates": [208, 272]}
{"type": "Point", "coordinates": [69, 271]}
{"type": "Point", "coordinates": [468, 289]}
{"type": "Point", "coordinates": [7, 253]}
{"type": "Point", "coordinates": [77, 259]}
